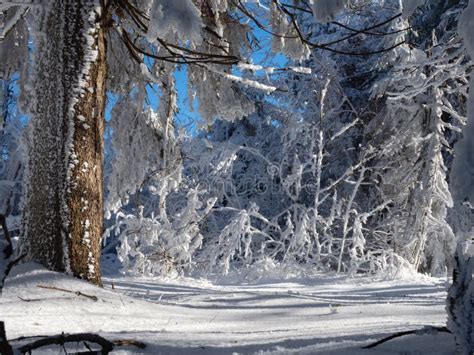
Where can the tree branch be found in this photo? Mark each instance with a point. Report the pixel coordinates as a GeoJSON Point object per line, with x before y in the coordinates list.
{"type": "Point", "coordinates": [424, 330]}
{"type": "Point", "coordinates": [62, 339]}
{"type": "Point", "coordinates": [77, 293]}
{"type": "Point", "coordinates": [7, 253]}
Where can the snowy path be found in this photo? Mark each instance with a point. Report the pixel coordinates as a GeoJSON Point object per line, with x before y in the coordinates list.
{"type": "Point", "coordinates": [330, 315]}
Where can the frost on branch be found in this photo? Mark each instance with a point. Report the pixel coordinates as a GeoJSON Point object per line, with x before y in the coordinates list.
{"type": "Point", "coordinates": [326, 10]}
{"type": "Point", "coordinates": [414, 164]}
{"type": "Point", "coordinates": [460, 303]}
{"type": "Point", "coordinates": [409, 6]}
{"type": "Point", "coordinates": [462, 174]}
{"type": "Point", "coordinates": [141, 151]}
{"type": "Point", "coordinates": [218, 95]}
{"type": "Point", "coordinates": [13, 42]}
{"type": "Point", "coordinates": [162, 244]}
{"type": "Point", "coordinates": [179, 18]}
{"type": "Point", "coordinates": [11, 165]}
{"type": "Point", "coordinates": [286, 39]}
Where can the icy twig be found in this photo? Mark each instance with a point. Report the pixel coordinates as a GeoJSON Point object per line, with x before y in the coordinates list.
{"type": "Point", "coordinates": [425, 330]}
{"type": "Point", "coordinates": [78, 293]}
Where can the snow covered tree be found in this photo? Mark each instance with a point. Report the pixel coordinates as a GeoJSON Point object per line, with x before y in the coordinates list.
{"type": "Point", "coordinates": [63, 196]}
{"type": "Point", "coordinates": [417, 106]}
{"type": "Point", "coordinates": [353, 137]}
{"type": "Point", "coordinates": [460, 303]}
{"type": "Point", "coordinates": [14, 55]}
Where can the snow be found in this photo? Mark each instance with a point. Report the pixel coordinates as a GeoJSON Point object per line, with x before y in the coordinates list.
{"type": "Point", "coordinates": [326, 10]}
{"type": "Point", "coordinates": [320, 314]}
{"type": "Point", "coordinates": [11, 22]}
{"type": "Point", "coordinates": [462, 174]}
{"type": "Point", "coordinates": [461, 300]}
{"type": "Point", "coordinates": [182, 18]}
{"type": "Point", "coordinates": [268, 89]}
{"type": "Point", "coordinates": [409, 7]}
{"type": "Point", "coordinates": [301, 70]}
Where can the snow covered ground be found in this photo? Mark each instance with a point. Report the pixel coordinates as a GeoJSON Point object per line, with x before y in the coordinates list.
{"type": "Point", "coordinates": [321, 314]}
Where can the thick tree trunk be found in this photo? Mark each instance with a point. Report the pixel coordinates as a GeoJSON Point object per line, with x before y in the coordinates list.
{"type": "Point", "coordinates": [63, 206]}
{"type": "Point", "coordinates": [5, 347]}
{"type": "Point", "coordinates": [85, 198]}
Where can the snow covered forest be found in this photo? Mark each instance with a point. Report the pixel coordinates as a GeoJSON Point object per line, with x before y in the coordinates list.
{"type": "Point", "coordinates": [231, 176]}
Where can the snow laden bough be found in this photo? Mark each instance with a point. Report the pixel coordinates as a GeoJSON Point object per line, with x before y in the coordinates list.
{"type": "Point", "coordinates": [460, 303]}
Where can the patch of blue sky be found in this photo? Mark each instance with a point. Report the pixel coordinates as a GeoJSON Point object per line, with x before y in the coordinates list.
{"type": "Point", "coordinates": [187, 116]}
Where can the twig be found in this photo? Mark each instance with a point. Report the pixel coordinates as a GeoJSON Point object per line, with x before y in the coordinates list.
{"type": "Point", "coordinates": [7, 252]}
{"type": "Point", "coordinates": [424, 330]}
{"type": "Point", "coordinates": [6, 235]}
{"type": "Point", "coordinates": [29, 299]}
{"type": "Point", "coordinates": [78, 293]}
{"type": "Point", "coordinates": [7, 270]}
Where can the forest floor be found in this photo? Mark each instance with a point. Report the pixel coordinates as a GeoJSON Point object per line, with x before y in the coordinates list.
{"type": "Point", "coordinates": [326, 314]}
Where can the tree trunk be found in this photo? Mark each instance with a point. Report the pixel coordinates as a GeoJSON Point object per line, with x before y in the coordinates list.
{"type": "Point", "coordinates": [5, 347]}
{"type": "Point", "coordinates": [63, 205]}
{"type": "Point", "coordinates": [460, 302]}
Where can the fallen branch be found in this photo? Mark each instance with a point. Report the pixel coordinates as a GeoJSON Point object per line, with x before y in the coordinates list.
{"type": "Point", "coordinates": [27, 337]}
{"type": "Point", "coordinates": [30, 299]}
{"type": "Point", "coordinates": [77, 293]}
{"type": "Point", "coordinates": [9, 267]}
{"type": "Point", "coordinates": [106, 345]}
{"type": "Point", "coordinates": [425, 330]}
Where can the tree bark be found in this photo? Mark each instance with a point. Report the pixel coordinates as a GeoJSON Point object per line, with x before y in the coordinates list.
{"type": "Point", "coordinates": [63, 205]}
{"type": "Point", "coordinates": [5, 347]}
{"type": "Point", "coordinates": [85, 198]}
{"type": "Point", "coordinates": [460, 301]}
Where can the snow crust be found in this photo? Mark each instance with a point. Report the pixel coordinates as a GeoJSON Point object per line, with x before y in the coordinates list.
{"type": "Point", "coordinates": [321, 314]}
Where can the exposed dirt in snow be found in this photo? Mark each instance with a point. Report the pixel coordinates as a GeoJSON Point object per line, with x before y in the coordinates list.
{"type": "Point", "coordinates": [326, 314]}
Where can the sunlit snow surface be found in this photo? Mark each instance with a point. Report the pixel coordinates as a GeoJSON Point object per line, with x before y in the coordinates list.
{"type": "Point", "coordinates": [323, 314]}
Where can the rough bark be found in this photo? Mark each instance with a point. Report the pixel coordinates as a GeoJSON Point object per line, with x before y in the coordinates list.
{"type": "Point", "coordinates": [63, 206]}
{"type": "Point", "coordinates": [460, 301]}
{"type": "Point", "coordinates": [5, 347]}
{"type": "Point", "coordinates": [85, 198]}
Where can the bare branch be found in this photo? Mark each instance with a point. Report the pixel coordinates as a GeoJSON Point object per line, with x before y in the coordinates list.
{"type": "Point", "coordinates": [77, 293]}
{"type": "Point", "coordinates": [62, 339]}
{"type": "Point", "coordinates": [425, 330]}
